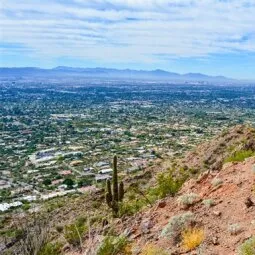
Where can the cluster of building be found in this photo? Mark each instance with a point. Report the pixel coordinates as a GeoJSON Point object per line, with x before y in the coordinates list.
{"type": "Point", "coordinates": [60, 138]}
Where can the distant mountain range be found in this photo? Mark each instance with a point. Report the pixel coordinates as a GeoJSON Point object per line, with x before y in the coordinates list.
{"type": "Point", "coordinates": [99, 72]}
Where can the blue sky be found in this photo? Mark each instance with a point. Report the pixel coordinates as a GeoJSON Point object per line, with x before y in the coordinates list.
{"type": "Point", "coordinates": [215, 37]}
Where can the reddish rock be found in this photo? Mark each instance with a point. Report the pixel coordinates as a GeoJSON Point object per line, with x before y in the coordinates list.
{"type": "Point", "coordinates": [248, 202]}
{"type": "Point", "coordinates": [162, 204]}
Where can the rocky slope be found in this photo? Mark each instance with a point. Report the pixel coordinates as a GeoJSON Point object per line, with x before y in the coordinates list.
{"type": "Point", "coordinates": [218, 199]}
{"type": "Point", "coordinates": [221, 200]}
{"type": "Point", "coordinates": [211, 155]}
{"type": "Point", "coordinates": [230, 210]}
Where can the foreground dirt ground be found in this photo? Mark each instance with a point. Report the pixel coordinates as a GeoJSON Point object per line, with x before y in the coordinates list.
{"type": "Point", "coordinates": [230, 208]}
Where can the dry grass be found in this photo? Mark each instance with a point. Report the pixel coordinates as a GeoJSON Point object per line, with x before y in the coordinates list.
{"type": "Point", "coordinates": [248, 247]}
{"type": "Point", "coordinates": [34, 235]}
{"type": "Point", "coordinates": [192, 238]}
{"type": "Point", "coordinates": [151, 249]}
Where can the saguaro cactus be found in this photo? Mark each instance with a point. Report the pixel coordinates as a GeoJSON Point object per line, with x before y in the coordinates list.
{"type": "Point", "coordinates": [114, 194]}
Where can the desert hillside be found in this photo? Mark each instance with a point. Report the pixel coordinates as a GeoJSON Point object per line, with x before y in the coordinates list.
{"type": "Point", "coordinates": [201, 203]}
{"type": "Point", "coordinates": [220, 204]}
{"type": "Point", "coordinates": [214, 207]}
{"type": "Point", "coordinates": [212, 154]}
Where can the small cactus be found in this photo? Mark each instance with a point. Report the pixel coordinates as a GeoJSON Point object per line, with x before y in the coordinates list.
{"type": "Point", "coordinates": [114, 194]}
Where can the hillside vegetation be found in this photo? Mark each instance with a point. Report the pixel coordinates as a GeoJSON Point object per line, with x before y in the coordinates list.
{"type": "Point", "coordinates": [201, 203]}
{"type": "Point", "coordinates": [233, 144]}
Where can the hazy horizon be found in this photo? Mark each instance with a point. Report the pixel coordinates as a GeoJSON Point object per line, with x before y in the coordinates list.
{"type": "Point", "coordinates": [216, 38]}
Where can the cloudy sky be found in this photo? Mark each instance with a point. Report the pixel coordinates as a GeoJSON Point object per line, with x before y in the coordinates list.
{"type": "Point", "coordinates": [209, 36]}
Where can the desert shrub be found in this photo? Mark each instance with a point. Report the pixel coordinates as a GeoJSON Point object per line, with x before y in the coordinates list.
{"type": "Point", "coordinates": [168, 184]}
{"type": "Point", "coordinates": [234, 229]}
{"type": "Point", "coordinates": [34, 234]}
{"type": "Point", "coordinates": [73, 233]}
{"type": "Point", "coordinates": [248, 247]}
{"type": "Point", "coordinates": [208, 202]}
{"type": "Point", "coordinates": [151, 249]}
{"type": "Point", "coordinates": [187, 199]}
{"type": "Point", "coordinates": [133, 202]}
{"type": "Point", "coordinates": [136, 199]}
{"type": "Point", "coordinates": [54, 204]}
{"type": "Point", "coordinates": [11, 233]}
{"type": "Point", "coordinates": [112, 245]}
{"type": "Point", "coordinates": [240, 156]}
{"type": "Point", "coordinates": [176, 225]}
{"type": "Point", "coordinates": [131, 207]}
{"type": "Point", "coordinates": [192, 238]}
{"type": "Point", "coordinates": [81, 220]}
{"type": "Point", "coordinates": [194, 171]}
{"type": "Point", "coordinates": [51, 249]}
{"type": "Point", "coordinates": [216, 182]}
{"type": "Point", "coordinates": [96, 219]}
{"type": "Point", "coordinates": [26, 206]}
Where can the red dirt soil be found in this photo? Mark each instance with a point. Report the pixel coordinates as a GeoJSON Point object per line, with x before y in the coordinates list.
{"type": "Point", "coordinates": [230, 208]}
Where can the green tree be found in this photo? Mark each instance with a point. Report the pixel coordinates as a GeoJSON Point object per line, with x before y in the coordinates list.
{"type": "Point", "coordinates": [47, 182]}
{"type": "Point", "coordinates": [69, 182]}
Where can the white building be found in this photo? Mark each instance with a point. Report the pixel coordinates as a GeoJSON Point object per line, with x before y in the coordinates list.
{"type": "Point", "coordinates": [106, 171]}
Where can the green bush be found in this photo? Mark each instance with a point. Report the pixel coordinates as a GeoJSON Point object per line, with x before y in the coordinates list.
{"type": "Point", "coordinates": [136, 199]}
{"type": "Point", "coordinates": [240, 156]}
{"type": "Point", "coordinates": [12, 232]}
{"type": "Point", "coordinates": [51, 249]}
{"type": "Point", "coordinates": [131, 207]}
{"type": "Point", "coordinates": [73, 233]}
{"type": "Point", "coordinates": [54, 204]}
{"type": "Point", "coordinates": [167, 184]}
{"type": "Point", "coordinates": [112, 245]}
{"type": "Point", "coordinates": [26, 206]}
{"type": "Point", "coordinates": [248, 247]}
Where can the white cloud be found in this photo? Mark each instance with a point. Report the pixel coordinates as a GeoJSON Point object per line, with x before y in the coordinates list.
{"type": "Point", "coordinates": [129, 30]}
